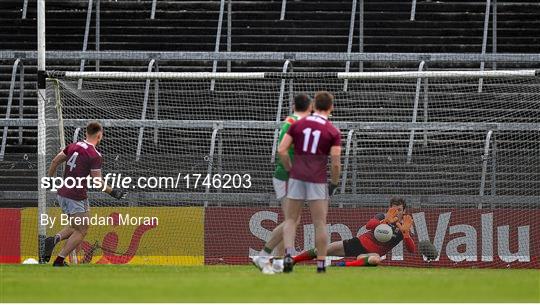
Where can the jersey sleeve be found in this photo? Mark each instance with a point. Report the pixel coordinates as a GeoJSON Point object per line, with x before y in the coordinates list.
{"type": "Point", "coordinates": [285, 128]}
{"type": "Point", "coordinates": [66, 150]}
{"type": "Point", "coordinates": [337, 138]}
{"type": "Point", "coordinates": [409, 244]}
{"type": "Point", "coordinates": [375, 221]}
{"type": "Point", "coordinates": [95, 163]}
{"type": "Point", "coordinates": [290, 130]}
{"type": "Point", "coordinates": [372, 224]}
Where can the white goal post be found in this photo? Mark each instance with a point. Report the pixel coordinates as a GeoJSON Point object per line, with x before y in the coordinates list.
{"type": "Point", "coordinates": [448, 74]}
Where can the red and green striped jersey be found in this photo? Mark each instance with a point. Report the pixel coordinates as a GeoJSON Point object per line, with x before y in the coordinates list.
{"type": "Point", "coordinates": [280, 172]}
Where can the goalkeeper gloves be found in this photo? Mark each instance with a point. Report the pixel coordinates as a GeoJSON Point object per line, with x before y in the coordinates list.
{"type": "Point", "coordinates": [118, 193]}
{"type": "Point", "coordinates": [391, 215]}
{"type": "Point", "coordinates": [341, 264]}
{"type": "Point", "coordinates": [332, 189]}
{"type": "Point", "coordinates": [405, 227]}
{"type": "Point", "coordinates": [427, 249]}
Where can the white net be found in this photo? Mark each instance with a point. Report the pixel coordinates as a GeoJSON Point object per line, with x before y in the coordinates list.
{"type": "Point", "coordinates": [439, 140]}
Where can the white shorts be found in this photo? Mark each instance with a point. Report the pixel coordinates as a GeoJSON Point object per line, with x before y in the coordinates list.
{"type": "Point", "coordinates": [302, 190]}
{"type": "Point", "coordinates": [280, 187]}
{"type": "Point", "coordinates": [70, 206]}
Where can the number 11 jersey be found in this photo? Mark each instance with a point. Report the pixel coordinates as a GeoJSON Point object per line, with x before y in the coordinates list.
{"type": "Point", "coordinates": [313, 136]}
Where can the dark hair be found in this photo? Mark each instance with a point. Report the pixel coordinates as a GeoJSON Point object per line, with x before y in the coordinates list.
{"type": "Point", "coordinates": [323, 100]}
{"type": "Point", "coordinates": [93, 128]}
{"type": "Point", "coordinates": [398, 201]}
{"type": "Point", "coordinates": [301, 102]}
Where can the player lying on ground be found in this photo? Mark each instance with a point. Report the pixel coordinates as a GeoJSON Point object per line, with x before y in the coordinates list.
{"type": "Point", "coordinates": [83, 160]}
{"type": "Point", "coordinates": [365, 248]}
{"type": "Point", "coordinates": [301, 108]}
{"type": "Point", "coordinates": [314, 138]}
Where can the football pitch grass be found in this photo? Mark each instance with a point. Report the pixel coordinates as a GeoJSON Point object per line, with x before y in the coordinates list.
{"type": "Point", "coordinates": [106, 283]}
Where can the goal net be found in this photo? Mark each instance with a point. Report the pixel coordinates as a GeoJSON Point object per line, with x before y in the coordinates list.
{"type": "Point", "coordinates": [200, 149]}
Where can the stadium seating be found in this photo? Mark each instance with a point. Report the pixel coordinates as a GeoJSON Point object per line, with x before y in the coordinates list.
{"type": "Point", "coordinates": [309, 26]}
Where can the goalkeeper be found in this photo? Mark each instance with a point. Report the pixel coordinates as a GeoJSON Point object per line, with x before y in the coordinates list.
{"type": "Point", "coordinates": [302, 107]}
{"type": "Point", "coordinates": [365, 248]}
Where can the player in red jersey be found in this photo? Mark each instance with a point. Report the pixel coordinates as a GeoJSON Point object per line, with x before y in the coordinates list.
{"type": "Point", "coordinates": [314, 138]}
{"type": "Point", "coordinates": [82, 160]}
{"type": "Point", "coordinates": [365, 248]}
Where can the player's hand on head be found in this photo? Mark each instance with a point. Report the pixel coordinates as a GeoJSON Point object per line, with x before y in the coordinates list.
{"type": "Point", "coordinates": [391, 215]}
{"type": "Point", "coordinates": [118, 193]}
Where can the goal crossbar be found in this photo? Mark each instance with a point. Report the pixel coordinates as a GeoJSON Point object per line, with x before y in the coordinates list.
{"type": "Point", "coordinates": [115, 75]}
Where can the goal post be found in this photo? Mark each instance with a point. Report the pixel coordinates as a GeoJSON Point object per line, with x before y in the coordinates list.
{"type": "Point", "coordinates": [464, 160]}
{"type": "Point", "coordinates": [445, 74]}
{"type": "Point", "coordinates": [41, 145]}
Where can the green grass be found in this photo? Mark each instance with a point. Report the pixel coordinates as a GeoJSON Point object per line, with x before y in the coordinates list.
{"type": "Point", "coordinates": [99, 283]}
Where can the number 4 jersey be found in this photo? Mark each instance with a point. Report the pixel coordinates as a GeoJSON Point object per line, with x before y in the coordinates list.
{"type": "Point", "coordinates": [82, 157]}
{"type": "Point", "coordinates": [313, 136]}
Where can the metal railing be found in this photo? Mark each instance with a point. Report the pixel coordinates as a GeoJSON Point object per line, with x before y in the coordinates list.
{"type": "Point", "coordinates": [351, 147]}
{"type": "Point", "coordinates": [415, 111]}
{"type": "Point", "coordinates": [318, 56]}
{"type": "Point", "coordinates": [485, 158]}
{"type": "Point", "coordinates": [490, 144]}
{"type": "Point", "coordinates": [153, 12]}
{"type": "Point", "coordinates": [413, 10]}
{"type": "Point", "coordinates": [283, 9]}
{"type": "Point", "coordinates": [344, 173]}
{"type": "Point", "coordinates": [153, 65]}
{"type": "Point", "coordinates": [17, 65]}
{"type": "Point", "coordinates": [216, 128]}
{"type": "Point", "coordinates": [484, 42]}
{"type": "Point", "coordinates": [279, 56]}
{"type": "Point", "coordinates": [24, 9]}
{"type": "Point", "coordinates": [218, 38]}
{"type": "Point", "coordinates": [97, 36]}
{"type": "Point", "coordinates": [153, 9]}
{"type": "Point", "coordinates": [361, 32]}
{"type": "Point", "coordinates": [286, 67]}
{"type": "Point", "coordinates": [98, 30]}
{"type": "Point", "coordinates": [229, 32]}
{"type": "Point", "coordinates": [490, 4]}
{"type": "Point", "coordinates": [494, 32]}
{"type": "Point", "coordinates": [85, 39]}
{"type": "Point", "coordinates": [76, 135]}
{"type": "Point", "coordinates": [271, 125]}
{"type": "Point", "coordinates": [360, 5]}
{"type": "Point", "coordinates": [350, 42]}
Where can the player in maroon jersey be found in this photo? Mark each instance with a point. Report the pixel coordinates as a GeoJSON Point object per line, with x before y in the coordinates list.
{"type": "Point", "coordinates": [301, 108]}
{"type": "Point", "coordinates": [365, 248]}
{"type": "Point", "coordinates": [82, 160]}
{"type": "Point", "coordinates": [314, 139]}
